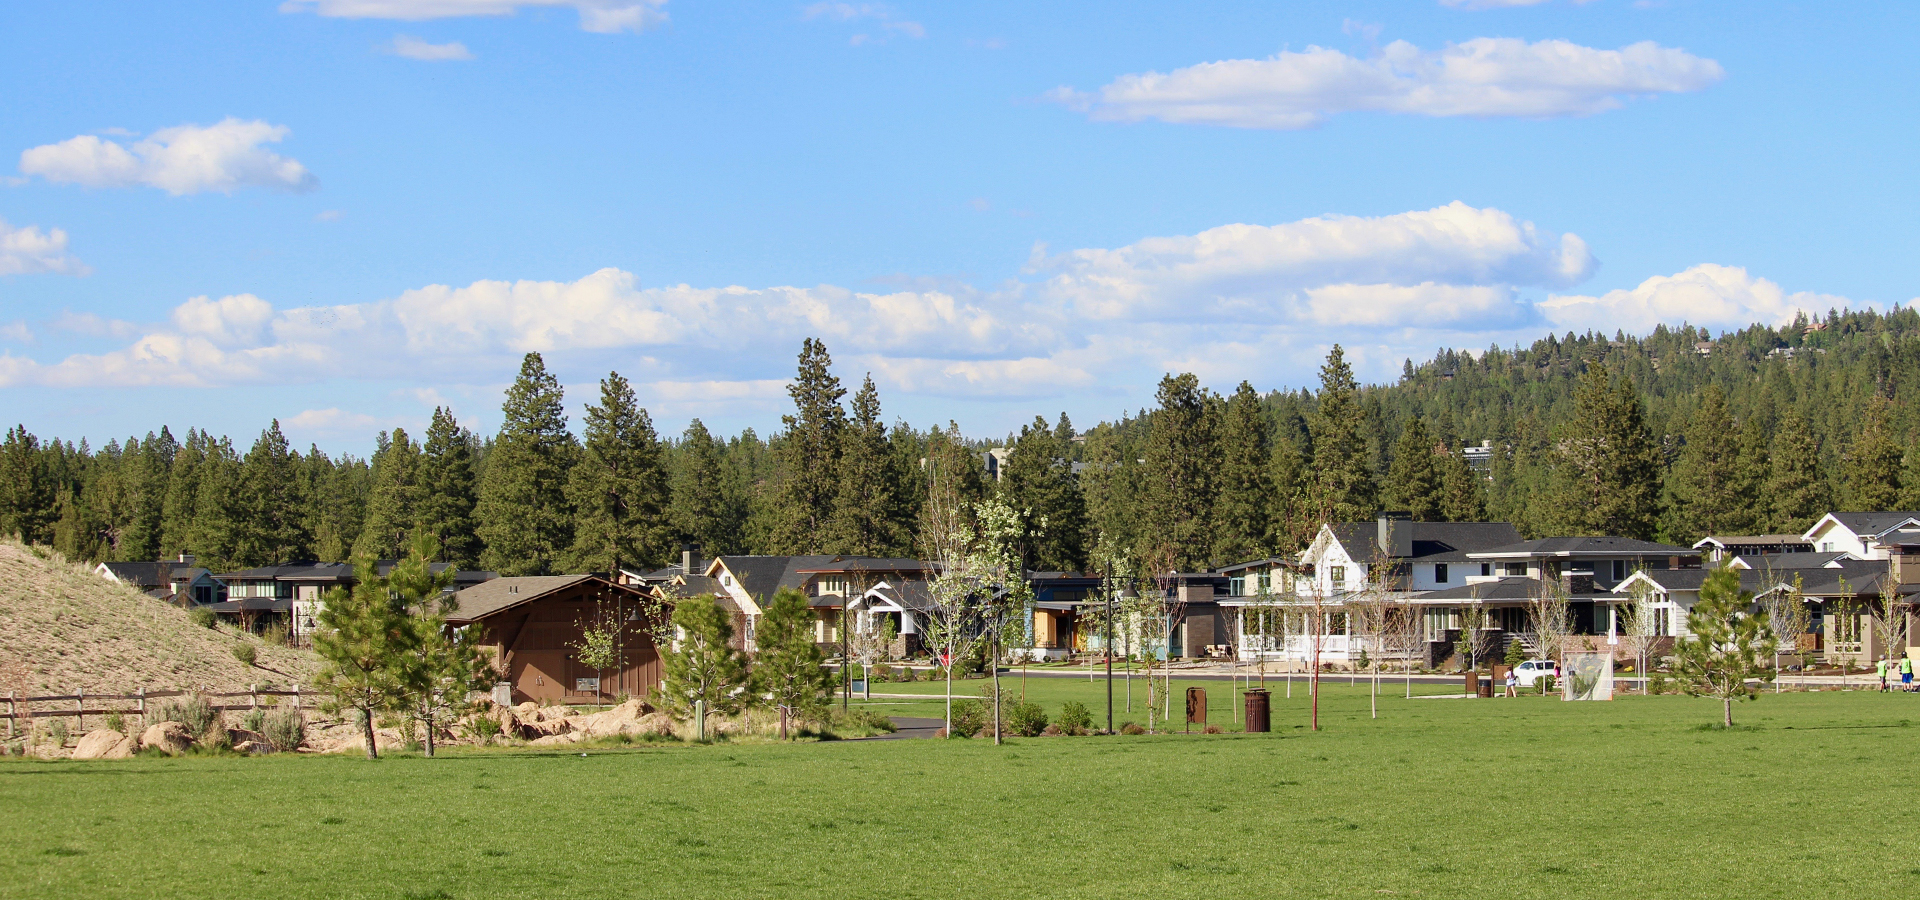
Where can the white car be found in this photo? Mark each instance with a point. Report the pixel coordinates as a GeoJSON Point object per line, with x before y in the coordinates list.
{"type": "Point", "coordinates": [1529, 672]}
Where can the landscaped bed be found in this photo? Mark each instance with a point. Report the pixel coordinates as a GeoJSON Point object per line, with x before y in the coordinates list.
{"type": "Point", "coordinates": [1440, 798]}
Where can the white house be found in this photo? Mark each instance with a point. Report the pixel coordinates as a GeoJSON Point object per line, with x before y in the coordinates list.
{"type": "Point", "coordinates": [1866, 535]}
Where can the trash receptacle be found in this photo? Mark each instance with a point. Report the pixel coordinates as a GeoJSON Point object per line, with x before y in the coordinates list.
{"type": "Point", "coordinates": [1486, 688]}
{"type": "Point", "coordinates": [1196, 708]}
{"type": "Point", "coordinates": [1473, 684]}
{"type": "Point", "coordinates": [1257, 712]}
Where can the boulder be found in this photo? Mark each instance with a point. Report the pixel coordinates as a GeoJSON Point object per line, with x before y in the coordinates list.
{"type": "Point", "coordinates": [253, 748]}
{"type": "Point", "coordinates": [613, 721]}
{"type": "Point", "coordinates": [528, 709]}
{"type": "Point", "coordinates": [652, 723]}
{"type": "Point", "coordinates": [555, 740]}
{"type": "Point", "coordinates": [169, 736]}
{"type": "Point", "coordinates": [104, 744]}
{"type": "Point", "coordinates": [238, 736]}
{"type": "Point", "coordinates": [554, 713]}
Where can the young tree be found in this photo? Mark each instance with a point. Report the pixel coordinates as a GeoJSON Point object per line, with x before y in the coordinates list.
{"type": "Point", "coordinates": [1343, 458]}
{"type": "Point", "coordinates": [1787, 612]}
{"type": "Point", "coordinates": [870, 642]}
{"type": "Point", "coordinates": [618, 488]}
{"type": "Point", "coordinates": [1182, 459]}
{"type": "Point", "coordinates": [870, 516]}
{"type": "Point", "coordinates": [706, 508]}
{"type": "Point", "coordinates": [442, 666]}
{"type": "Point", "coordinates": [953, 610]}
{"type": "Point", "coordinates": [993, 563]}
{"type": "Point", "coordinates": [1640, 627]}
{"type": "Point", "coordinates": [704, 673]}
{"type": "Point", "coordinates": [1414, 480]}
{"type": "Point", "coordinates": [364, 631]}
{"type": "Point", "coordinates": [525, 522]}
{"type": "Point", "coordinates": [446, 505]}
{"type": "Point", "coordinates": [1381, 603]}
{"type": "Point", "coordinates": [809, 454]}
{"type": "Point", "coordinates": [1890, 620]}
{"type": "Point", "coordinates": [1242, 517]}
{"type": "Point", "coordinates": [789, 668]}
{"type": "Point", "coordinates": [1548, 620]}
{"type": "Point", "coordinates": [1728, 645]}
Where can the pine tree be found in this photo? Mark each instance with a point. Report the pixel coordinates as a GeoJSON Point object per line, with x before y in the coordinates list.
{"type": "Point", "coordinates": [1111, 488]}
{"type": "Point", "coordinates": [870, 517]}
{"type": "Point", "coordinates": [1242, 520]}
{"type": "Point", "coordinates": [1751, 513]}
{"type": "Point", "coordinates": [1413, 478]}
{"type": "Point", "coordinates": [619, 487]}
{"type": "Point", "coordinates": [1608, 463]}
{"type": "Point", "coordinates": [1343, 459]}
{"type": "Point", "coordinates": [525, 523]}
{"type": "Point", "coordinates": [29, 504]}
{"type": "Point", "coordinates": [1463, 493]}
{"type": "Point", "coordinates": [219, 519]}
{"type": "Point", "coordinates": [447, 490]}
{"type": "Point", "coordinates": [272, 525]}
{"type": "Point", "coordinates": [1704, 491]}
{"type": "Point", "coordinates": [1292, 518]}
{"type": "Point", "coordinates": [702, 665]}
{"type": "Point", "coordinates": [788, 666]}
{"type": "Point", "coordinates": [1873, 462]}
{"type": "Point", "coordinates": [1038, 482]}
{"type": "Point", "coordinates": [180, 510]}
{"type": "Point", "coordinates": [707, 508]}
{"type": "Point", "coordinates": [1797, 492]}
{"type": "Point", "coordinates": [393, 509]}
{"type": "Point", "coordinates": [809, 454]}
{"type": "Point", "coordinates": [146, 471]}
{"type": "Point", "coordinates": [1182, 459]}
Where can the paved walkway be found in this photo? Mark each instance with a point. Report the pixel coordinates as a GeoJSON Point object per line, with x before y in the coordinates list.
{"type": "Point", "coordinates": [911, 727]}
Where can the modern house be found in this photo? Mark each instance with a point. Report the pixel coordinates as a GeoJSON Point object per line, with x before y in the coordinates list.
{"type": "Point", "coordinates": [295, 593]}
{"type": "Point", "coordinates": [1718, 547]}
{"type": "Point", "coordinates": [535, 625]}
{"type": "Point", "coordinates": [877, 585]}
{"type": "Point", "coordinates": [1866, 535]}
{"type": "Point", "coordinates": [175, 581]}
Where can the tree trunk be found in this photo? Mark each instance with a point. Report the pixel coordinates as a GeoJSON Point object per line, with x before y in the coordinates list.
{"type": "Point", "coordinates": [993, 662]}
{"type": "Point", "coordinates": [429, 745]}
{"type": "Point", "coordinates": [1375, 691]}
{"type": "Point", "coordinates": [1726, 711]}
{"type": "Point", "coordinates": [950, 692]}
{"type": "Point", "coordinates": [366, 728]}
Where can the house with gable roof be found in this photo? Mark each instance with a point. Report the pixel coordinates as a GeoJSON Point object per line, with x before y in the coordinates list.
{"type": "Point", "coordinates": [1866, 535]}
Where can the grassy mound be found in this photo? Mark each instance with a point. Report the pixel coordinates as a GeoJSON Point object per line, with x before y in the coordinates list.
{"type": "Point", "coordinates": [62, 627]}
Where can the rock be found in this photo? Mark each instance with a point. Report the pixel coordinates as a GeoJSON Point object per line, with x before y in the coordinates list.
{"type": "Point", "coordinates": [613, 721]}
{"type": "Point", "coordinates": [554, 713]}
{"type": "Point", "coordinates": [169, 736]}
{"type": "Point", "coordinates": [555, 740]}
{"type": "Point", "coordinates": [104, 744]}
{"type": "Point", "coordinates": [253, 748]}
{"type": "Point", "coordinates": [652, 723]}
{"type": "Point", "coordinates": [528, 709]}
{"type": "Point", "coordinates": [238, 736]}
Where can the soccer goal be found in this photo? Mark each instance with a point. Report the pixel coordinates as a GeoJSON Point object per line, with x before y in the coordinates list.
{"type": "Point", "coordinates": [1589, 676]}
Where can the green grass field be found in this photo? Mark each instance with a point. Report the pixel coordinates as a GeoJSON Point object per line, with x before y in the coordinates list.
{"type": "Point", "coordinates": [1813, 798]}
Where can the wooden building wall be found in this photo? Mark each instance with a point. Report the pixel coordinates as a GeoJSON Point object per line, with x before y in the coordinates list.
{"type": "Point", "coordinates": [535, 652]}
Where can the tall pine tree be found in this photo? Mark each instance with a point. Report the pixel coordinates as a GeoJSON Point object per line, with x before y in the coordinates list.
{"type": "Point", "coordinates": [1608, 464]}
{"type": "Point", "coordinates": [706, 508]}
{"type": "Point", "coordinates": [809, 454]}
{"type": "Point", "coordinates": [525, 523]}
{"type": "Point", "coordinates": [1038, 482]}
{"type": "Point", "coordinates": [1343, 456]}
{"type": "Point", "coordinates": [1872, 471]}
{"type": "Point", "coordinates": [870, 513]}
{"type": "Point", "coordinates": [448, 490]}
{"type": "Point", "coordinates": [272, 526]}
{"type": "Point", "coordinates": [1463, 492]}
{"type": "Point", "coordinates": [1413, 478]}
{"type": "Point", "coordinates": [619, 486]}
{"type": "Point", "coordinates": [393, 509]}
{"type": "Point", "coordinates": [1705, 490]}
{"type": "Point", "coordinates": [1796, 491]}
{"type": "Point", "coordinates": [1242, 520]}
{"type": "Point", "coordinates": [1180, 488]}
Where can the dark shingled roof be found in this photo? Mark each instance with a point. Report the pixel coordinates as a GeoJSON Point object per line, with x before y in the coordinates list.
{"type": "Point", "coordinates": [763, 576]}
{"type": "Point", "coordinates": [147, 574]}
{"type": "Point", "coordinates": [1504, 589]}
{"type": "Point", "coordinates": [1431, 541]}
{"type": "Point", "coordinates": [1599, 546]}
{"type": "Point", "coordinates": [1783, 561]}
{"type": "Point", "coordinates": [1873, 524]}
{"type": "Point", "coordinates": [491, 597]}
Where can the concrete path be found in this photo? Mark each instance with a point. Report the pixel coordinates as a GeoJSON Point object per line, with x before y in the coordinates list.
{"type": "Point", "coordinates": [911, 727]}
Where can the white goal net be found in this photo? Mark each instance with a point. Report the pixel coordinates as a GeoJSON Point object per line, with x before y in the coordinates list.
{"type": "Point", "coordinates": [1588, 676]}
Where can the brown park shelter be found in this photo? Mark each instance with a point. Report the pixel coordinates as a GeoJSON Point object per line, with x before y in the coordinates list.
{"type": "Point", "coordinates": [535, 622]}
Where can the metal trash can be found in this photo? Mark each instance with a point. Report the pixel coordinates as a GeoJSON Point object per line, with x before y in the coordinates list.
{"type": "Point", "coordinates": [1258, 710]}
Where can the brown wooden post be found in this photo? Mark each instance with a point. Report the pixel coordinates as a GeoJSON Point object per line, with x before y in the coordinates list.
{"type": "Point", "coordinates": [13, 712]}
{"type": "Point", "coordinates": [80, 711]}
{"type": "Point", "coordinates": [141, 700]}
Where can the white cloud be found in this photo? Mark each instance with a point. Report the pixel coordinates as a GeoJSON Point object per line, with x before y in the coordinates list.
{"type": "Point", "coordinates": [600, 16]}
{"type": "Point", "coordinates": [879, 13]}
{"type": "Point", "coordinates": [1484, 77]}
{"type": "Point", "coordinates": [415, 48]}
{"type": "Point", "coordinates": [328, 215]}
{"type": "Point", "coordinates": [92, 325]}
{"type": "Point", "coordinates": [1706, 294]}
{"type": "Point", "coordinates": [16, 331]}
{"type": "Point", "coordinates": [28, 250]}
{"type": "Point", "coordinates": [186, 159]}
{"type": "Point", "coordinates": [1428, 267]}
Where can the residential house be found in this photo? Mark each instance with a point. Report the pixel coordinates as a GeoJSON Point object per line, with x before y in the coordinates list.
{"type": "Point", "coordinates": [296, 592]}
{"type": "Point", "coordinates": [1719, 547]}
{"type": "Point", "coordinates": [1866, 535]}
{"type": "Point", "coordinates": [175, 581]}
{"type": "Point", "coordinates": [534, 626]}
{"type": "Point", "coordinates": [828, 581]}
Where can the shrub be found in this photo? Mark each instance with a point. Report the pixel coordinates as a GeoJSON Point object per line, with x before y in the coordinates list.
{"type": "Point", "coordinates": [484, 727]}
{"type": "Point", "coordinates": [1546, 684]}
{"type": "Point", "coordinates": [1026, 719]}
{"type": "Point", "coordinates": [245, 654]}
{"type": "Point", "coordinates": [860, 718]}
{"type": "Point", "coordinates": [277, 634]}
{"type": "Point", "coordinates": [192, 711]}
{"type": "Point", "coordinates": [1211, 729]}
{"type": "Point", "coordinates": [116, 722]}
{"type": "Point", "coordinates": [202, 617]}
{"type": "Point", "coordinates": [54, 731]}
{"type": "Point", "coordinates": [255, 721]}
{"type": "Point", "coordinates": [1659, 683]}
{"type": "Point", "coordinates": [1132, 728]}
{"type": "Point", "coordinates": [1075, 718]}
{"type": "Point", "coordinates": [969, 716]}
{"type": "Point", "coordinates": [285, 728]}
{"type": "Point", "coordinates": [1363, 662]}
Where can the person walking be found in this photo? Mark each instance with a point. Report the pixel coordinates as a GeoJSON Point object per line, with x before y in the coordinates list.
{"type": "Point", "coordinates": [1906, 674]}
{"type": "Point", "coordinates": [1513, 684]}
{"type": "Point", "coordinates": [1880, 669]}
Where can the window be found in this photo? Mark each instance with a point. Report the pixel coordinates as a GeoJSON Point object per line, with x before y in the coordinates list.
{"type": "Point", "coordinates": [1518, 568]}
{"type": "Point", "coordinates": [1486, 569]}
{"type": "Point", "coordinates": [833, 585]}
{"type": "Point", "coordinates": [1619, 570]}
{"type": "Point", "coordinates": [1663, 623]}
{"type": "Point", "coordinates": [1338, 576]}
{"type": "Point", "coordinates": [1440, 573]}
{"type": "Point", "coordinates": [1237, 585]}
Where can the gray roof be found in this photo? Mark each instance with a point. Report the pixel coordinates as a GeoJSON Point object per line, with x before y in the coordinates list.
{"type": "Point", "coordinates": [763, 576]}
{"type": "Point", "coordinates": [1782, 561]}
{"type": "Point", "coordinates": [1583, 546]}
{"type": "Point", "coordinates": [1504, 589]}
{"type": "Point", "coordinates": [147, 574]}
{"type": "Point", "coordinates": [1427, 541]}
{"type": "Point", "coordinates": [294, 572]}
{"type": "Point", "coordinates": [1873, 524]}
{"type": "Point", "coordinates": [1752, 540]}
{"type": "Point", "coordinates": [491, 597]}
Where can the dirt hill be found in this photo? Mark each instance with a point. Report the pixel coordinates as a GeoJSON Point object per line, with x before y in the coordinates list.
{"type": "Point", "coordinates": [63, 627]}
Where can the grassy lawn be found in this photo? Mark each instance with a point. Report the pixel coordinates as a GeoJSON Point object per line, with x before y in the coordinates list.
{"type": "Point", "coordinates": [1439, 798]}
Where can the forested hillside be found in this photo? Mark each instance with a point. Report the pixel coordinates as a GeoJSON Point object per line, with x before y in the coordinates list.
{"type": "Point", "coordinates": [1669, 435]}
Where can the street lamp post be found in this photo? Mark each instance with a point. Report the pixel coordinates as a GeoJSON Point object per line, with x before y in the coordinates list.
{"type": "Point", "coordinates": [1106, 587]}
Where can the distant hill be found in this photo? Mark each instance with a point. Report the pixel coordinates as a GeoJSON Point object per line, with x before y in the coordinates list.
{"type": "Point", "coordinates": [63, 627]}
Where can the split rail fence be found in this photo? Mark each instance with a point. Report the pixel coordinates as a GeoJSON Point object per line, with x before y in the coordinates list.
{"type": "Point", "coordinates": [26, 709]}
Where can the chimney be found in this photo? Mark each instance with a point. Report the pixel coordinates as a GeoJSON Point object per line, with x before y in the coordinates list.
{"type": "Point", "coordinates": [1393, 535]}
{"type": "Point", "coordinates": [1904, 563]}
{"type": "Point", "coordinates": [186, 559]}
{"type": "Point", "coordinates": [689, 554]}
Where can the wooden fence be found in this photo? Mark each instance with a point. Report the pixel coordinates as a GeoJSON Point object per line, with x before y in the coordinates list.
{"type": "Point", "coordinates": [28, 708]}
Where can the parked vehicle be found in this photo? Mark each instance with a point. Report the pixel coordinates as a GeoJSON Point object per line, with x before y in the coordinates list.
{"type": "Point", "coordinates": [1529, 672]}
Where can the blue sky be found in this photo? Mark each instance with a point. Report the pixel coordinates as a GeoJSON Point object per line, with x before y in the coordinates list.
{"type": "Point", "coordinates": [342, 212]}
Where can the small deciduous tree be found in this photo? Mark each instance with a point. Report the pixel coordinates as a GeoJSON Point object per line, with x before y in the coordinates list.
{"type": "Point", "coordinates": [1547, 620]}
{"type": "Point", "coordinates": [789, 669]}
{"type": "Point", "coordinates": [703, 670]}
{"type": "Point", "coordinates": [1787, 610]}
{"type": "Point", "coordinates": [1728, 645]}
